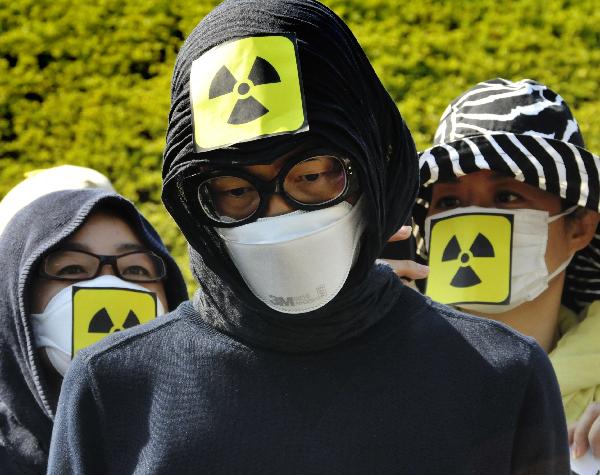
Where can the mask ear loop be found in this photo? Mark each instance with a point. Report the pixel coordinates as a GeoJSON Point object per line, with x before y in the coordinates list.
{"type": "Point", "coordinates": [565, 264]}
{"type": "Point", "coordinates": [560, 268]}
{"type": "Point", "coordinates": [564, 213]}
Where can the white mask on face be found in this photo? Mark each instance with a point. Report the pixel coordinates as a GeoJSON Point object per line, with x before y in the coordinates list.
{"type": "Point", "coordinates": [529, 276]}
{"type": "Point", "coordinates": [297, 262]}
{"type": "Point", "coordinates": [53, 328]}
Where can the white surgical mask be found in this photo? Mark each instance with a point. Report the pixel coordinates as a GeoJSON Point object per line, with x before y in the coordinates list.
{"type": "Point", "coordinates": [53, 328]}
{"type": "Point", "coordinates": [297, 262]}
{"type": "Point", "coordinates": [529, 275]}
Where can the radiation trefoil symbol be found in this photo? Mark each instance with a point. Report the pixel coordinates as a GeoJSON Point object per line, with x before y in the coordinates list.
{"type": "Point", "coordinates": [465, 276]}
{"type": "Point", "coordinates": [97, 312]}
{"type": "Point", "coordinates": [247, 108]}
{"type": "Point", "coordinates": [470, 258]}
{"type": "Point", "coordinates": [246, 89]}
{"type": "Point", "coordinates": [102, 323]}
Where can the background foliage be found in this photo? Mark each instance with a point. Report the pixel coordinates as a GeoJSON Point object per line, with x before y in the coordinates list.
{"type": "Point", "coordinates": [87, 82]}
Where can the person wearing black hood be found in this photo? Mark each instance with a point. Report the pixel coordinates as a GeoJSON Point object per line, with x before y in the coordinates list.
{"type": "Point", "coordinates": [52, 278]}
{"type": "Point", "coordinates": [287, 168]}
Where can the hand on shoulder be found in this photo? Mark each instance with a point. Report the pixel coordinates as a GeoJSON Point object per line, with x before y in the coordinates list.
{"type": "Point", "coordinates": [405, 269]}
{"type": "Point", "coordinates": [585, 433]}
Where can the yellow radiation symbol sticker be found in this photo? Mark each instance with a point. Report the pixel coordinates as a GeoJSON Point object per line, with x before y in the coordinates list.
{"type": "Point", "coordinates": [100, 311]}
{"type": "Point", "coordinates": [245, 89]}
{"type": "Point", "coordinates": [470, 259]}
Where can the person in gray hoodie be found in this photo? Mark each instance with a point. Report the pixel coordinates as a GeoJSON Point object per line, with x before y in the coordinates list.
{"type": "Point", "coordinates": [51, 253]}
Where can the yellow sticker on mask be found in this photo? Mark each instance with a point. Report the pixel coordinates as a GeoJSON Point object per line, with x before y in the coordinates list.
{"type": "Point", "coordinates": [470, 259]}
{"type": "Point", "coordinates": [245, 89]}
{"type": "Point", "coordinates": [98, 312]}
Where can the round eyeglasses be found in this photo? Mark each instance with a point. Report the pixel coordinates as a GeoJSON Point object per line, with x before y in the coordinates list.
{"type": "Point", "coordinates": [136, 266]}
{"type": "Point", "coordinates": [232, 197]}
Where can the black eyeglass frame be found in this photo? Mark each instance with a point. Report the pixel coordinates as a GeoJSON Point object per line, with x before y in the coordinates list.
{"type": "Point", "coordinates": [191, 187]}
{"type": "Point", "coordinates": [102, 261]}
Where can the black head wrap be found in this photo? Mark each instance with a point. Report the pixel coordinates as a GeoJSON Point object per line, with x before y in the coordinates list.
{"type": "Point", "coordinates": [26, 412]}
{"type": "Point", "coordinates": [347, 106]}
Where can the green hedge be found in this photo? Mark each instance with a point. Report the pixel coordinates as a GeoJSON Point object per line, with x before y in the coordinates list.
{"type": "Point", "coordinates": [88, 82]}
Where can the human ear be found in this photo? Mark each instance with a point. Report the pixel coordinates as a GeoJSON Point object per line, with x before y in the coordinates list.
{"type": "Point", "coordinates": [581, 228]}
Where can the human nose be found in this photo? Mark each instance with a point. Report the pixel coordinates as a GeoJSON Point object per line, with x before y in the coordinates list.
{"type": "Point", "coordinates": [277, 206]}
{"type": "Point", "coordinates": [107, 268]}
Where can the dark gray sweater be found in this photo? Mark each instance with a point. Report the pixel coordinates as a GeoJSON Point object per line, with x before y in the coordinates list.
{"type": "Point", "coordinates": [424, 391]}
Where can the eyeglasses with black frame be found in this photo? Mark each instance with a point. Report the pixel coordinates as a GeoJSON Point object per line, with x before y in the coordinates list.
{"type": "Point", "coordinates": [76, 265]}
{"type": "Point", "coordinates": [230, 196]}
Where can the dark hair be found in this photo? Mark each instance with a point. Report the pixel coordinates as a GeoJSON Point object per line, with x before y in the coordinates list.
{"type": "Point", "coordinates": [565, 205]}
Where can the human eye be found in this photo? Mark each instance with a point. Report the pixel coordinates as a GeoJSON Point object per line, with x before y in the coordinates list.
{"type": "Point", "coordinates": [72, 270]}
{"type": "Point", "coordinates": [137, 266]}
{"type": "Point", "coordinates": [321, 169]}
{"type": "Point", "coordinates": [310, 177]}
{"type": "Point", "coordinates": [136, 270]}
{"type": "Point", "coordinates": [69, 265]}
{"type": "Point", "coordinates": [507, 197]}
{"type": "Point", "coordinates": [316, 180]}
{"type": "Point", "coordinates": [239, 192]}
{"type": "Point", "coordinates": [313, 180]}
{"type": "Point", "coordinates": [446, 202]}
{"type": "Point", "coordinates": [230, 187]}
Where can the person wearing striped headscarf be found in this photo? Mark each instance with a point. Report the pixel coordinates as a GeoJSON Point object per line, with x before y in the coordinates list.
{"type": "Point", "coordinates": [507, 217]}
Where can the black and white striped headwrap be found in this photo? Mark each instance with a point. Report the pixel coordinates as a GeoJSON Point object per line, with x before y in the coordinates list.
{"type": "Point", "coordinates": [526, 131]}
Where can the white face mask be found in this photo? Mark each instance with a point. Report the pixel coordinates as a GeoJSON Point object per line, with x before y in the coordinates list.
{"type": "Point", "coordinates": [297, 262]}
{"type": "Point", "coordinates": [489, 260]}
{"type": "Point", "coordinates": [55, 330]}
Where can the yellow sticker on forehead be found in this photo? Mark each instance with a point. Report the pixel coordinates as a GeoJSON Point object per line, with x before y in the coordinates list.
{"type": "Point", "coordinates": [246, 89]}
{"type": "Point", "coordinates": [470, 259]}
{"type": "Point", "coordinates": [100, 311]}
